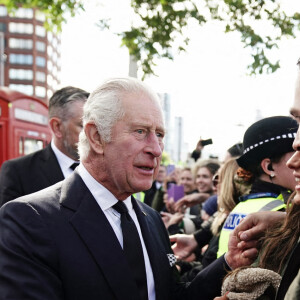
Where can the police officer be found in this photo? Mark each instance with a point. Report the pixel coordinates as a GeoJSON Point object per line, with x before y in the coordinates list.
{"type": "Point", "coordinates": [267, 147]}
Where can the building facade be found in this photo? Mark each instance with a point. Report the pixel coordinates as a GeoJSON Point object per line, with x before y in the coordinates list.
{"type": "Point", "coordinates": [174, 139]}
{"type": "Point", "coordinates": [30, 56]}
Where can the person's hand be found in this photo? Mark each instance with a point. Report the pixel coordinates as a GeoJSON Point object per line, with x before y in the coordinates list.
{"type": "Point", "coordinates": [184, 245]}
{"type": "Point", "coordinates": [237, 256]}
{"type": "Point", "coordinates": [190, 200]}
{"type": "Point", "coordinates": [170, 219]}
{"type": "Point", "coordinates": [199, 146]}
{"type": "Point", "coordinates": [169, 203]}
{"type": "Point", "coordinates": [254, 226]}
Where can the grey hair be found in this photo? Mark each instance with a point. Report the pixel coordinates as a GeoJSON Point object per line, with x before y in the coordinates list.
{"type": "Point", "coordinates": [104, 108]}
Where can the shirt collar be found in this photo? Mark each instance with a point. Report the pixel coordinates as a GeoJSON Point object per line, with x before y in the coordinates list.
{"type": "Point", "coordinates": [64, 161]}
{"type": "Point", "coordinates": [158, 185]}
{"type": "Point", "coordinates": [103, 196]}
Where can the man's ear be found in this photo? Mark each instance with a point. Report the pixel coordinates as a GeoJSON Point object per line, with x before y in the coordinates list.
{"type": "Point", "coordinates": [94, 138]}
{"type": "Point", "coordinates": [55, 125]}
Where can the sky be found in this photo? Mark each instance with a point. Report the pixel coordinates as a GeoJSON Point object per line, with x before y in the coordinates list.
{"type": "Point", "coordinates": [208, 83]}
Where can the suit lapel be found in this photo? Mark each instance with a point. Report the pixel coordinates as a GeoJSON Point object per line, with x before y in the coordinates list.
{"type": "Point", "coordinates": [95, 231]}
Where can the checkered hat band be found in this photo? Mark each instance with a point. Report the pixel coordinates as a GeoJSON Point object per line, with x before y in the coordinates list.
{"type": "Point", "coordinates": [278, 137]}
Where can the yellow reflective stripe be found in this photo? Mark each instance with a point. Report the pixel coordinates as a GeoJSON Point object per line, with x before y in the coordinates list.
{"type": "Point", "coordinates": [139, 196]}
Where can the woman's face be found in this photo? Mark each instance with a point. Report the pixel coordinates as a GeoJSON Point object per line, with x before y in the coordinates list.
{"type": "Point", "coordinates": [186, 179]}
{"type": "Point", "coordinates": [204, 182]}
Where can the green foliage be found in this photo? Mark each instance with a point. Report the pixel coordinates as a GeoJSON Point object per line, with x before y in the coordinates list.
{"type": "Point", "coordinates": [239, 14]}
{"type": "Point", "coordinates": [166, 160]}
{"type": "Point", "coordinates": [54, 10]}
{"type": "Point", "coordinates": [161, 26]}
{"type": "Point", "coordinates": [161, 22]}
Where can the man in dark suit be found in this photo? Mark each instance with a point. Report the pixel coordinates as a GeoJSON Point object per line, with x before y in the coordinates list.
{"type": "Point", "coordinates": [70, 241]}
{"type": "Point", "coordinates": [156, 185]}
{"type": "Point", "coordinates": [256, 225]}
{"type": "Point", "coordinates": [36, 171]}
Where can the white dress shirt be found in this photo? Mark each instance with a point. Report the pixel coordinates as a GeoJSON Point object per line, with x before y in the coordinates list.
{"type": "Point", "coordinates": [64, 161]}
{"type": "Point", "coordinates": [158, 185]}
{"type": "Point", "coordinates": [106, 200]}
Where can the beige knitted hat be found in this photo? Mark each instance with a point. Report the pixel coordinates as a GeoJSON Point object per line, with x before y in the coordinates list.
{"type": "Point", "coordinates": [249, 283]}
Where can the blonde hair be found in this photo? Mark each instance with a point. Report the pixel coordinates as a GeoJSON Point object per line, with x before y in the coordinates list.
{"type": "Point", "coordinates": [230, 191]}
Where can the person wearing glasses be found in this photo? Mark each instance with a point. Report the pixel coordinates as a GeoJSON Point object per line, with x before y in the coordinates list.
{"type": "Point", "coordinates": [86, 237]}
{"type": "Point", "coordinates": [204, 171]}
{"type": "Point", "coordinates": [267, 147]}
{"type": "Point", "coordinates": [281, 231]}
{"type": "Point", "coordinates": [271, 180]}
{"type": "Point", "coordinates": [189, 207]}
{"type": "Point", "coordinates": [229, 189]}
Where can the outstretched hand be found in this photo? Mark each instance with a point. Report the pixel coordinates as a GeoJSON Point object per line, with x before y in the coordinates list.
{"type": "Point", "coordinates": [170, 219]}
{"type": "Point", "coordinates": [190, 200]}
{"type": "Point", "coordinates": [184, 245]}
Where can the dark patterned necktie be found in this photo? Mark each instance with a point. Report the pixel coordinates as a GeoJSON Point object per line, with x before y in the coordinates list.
{"type": "Point", "coordinates": [74, 165]}
{"type": "Point", "coordinates": [132, 248]}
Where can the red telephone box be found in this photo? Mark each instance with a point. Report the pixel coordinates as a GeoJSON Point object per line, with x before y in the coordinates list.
{"type": "Point", "coordinates": [23, 124]}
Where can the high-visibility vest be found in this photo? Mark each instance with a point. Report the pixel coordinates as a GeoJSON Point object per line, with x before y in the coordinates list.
{"type": "Point", "coordinates": [139, 196]}
{"type": "Point", "coordinates": [249, 204]}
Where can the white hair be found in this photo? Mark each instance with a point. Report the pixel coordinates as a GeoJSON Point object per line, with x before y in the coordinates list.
{"type": "Point", "coordinates": [104, 108]}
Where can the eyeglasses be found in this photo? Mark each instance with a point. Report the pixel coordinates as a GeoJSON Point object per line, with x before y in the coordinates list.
{"type": "Point", "coordinates": [215, 180]}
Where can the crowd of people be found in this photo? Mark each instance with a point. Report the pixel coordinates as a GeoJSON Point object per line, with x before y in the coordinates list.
{"type": "Point", "coordinates": [96, 215]}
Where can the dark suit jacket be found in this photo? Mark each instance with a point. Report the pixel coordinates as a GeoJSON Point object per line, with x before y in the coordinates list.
{"type": "Point", "coordinates": [29, 174]}
{"type": "Point", "coordinates": [149, 194]}
{"type": "Point", "coordinates": [291, 271]}
{"type": "Point", "coordinates": [58, 244]}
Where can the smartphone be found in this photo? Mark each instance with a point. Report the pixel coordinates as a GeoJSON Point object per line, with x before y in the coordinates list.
{"type": "Point", "coordinates": [206, 142]}
{"type": "Point", "coordinates": [169, 183]}
{"type": "Point", "coordinates": [175, 191]}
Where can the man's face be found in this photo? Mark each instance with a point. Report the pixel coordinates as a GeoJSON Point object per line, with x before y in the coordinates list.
{"type": "Point", "coordinates": [294, 161]}
{"type": "Point", "coordinates": [132, 158]}
{"type": "Point", "coordinates": [284, 176]}
{"type": "Point", "coordinates": [295, 110]}
{"type": "Point", "coordinates": [162, 172]}
{"type": "Point", "coordinates": [70, 130]}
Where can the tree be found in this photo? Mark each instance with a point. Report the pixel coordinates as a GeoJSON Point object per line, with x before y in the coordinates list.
{"type": "Point", "coordinates": [166, 159]}
{"type": "Point", "coordinates": [55, 10]}
{"type": "Point", "coordinates": [161, 24]}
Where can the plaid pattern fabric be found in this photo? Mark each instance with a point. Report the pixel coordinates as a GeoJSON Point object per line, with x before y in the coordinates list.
{"type": "Point", "coordinates": [172, 259]}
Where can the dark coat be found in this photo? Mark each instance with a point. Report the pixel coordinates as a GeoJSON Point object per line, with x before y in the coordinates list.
{"type": "Point", "coordinates": [58, 244]}
{"type": "Point", "coordinates": [290, 272]}
{"type": "Point", "coordinates": [149, 194]}
{"type": "Point", "coordinates": [29, 174]}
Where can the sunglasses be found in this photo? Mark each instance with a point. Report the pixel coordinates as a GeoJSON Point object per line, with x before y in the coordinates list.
{"type": "Point", "coordinates": [215, 180]}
